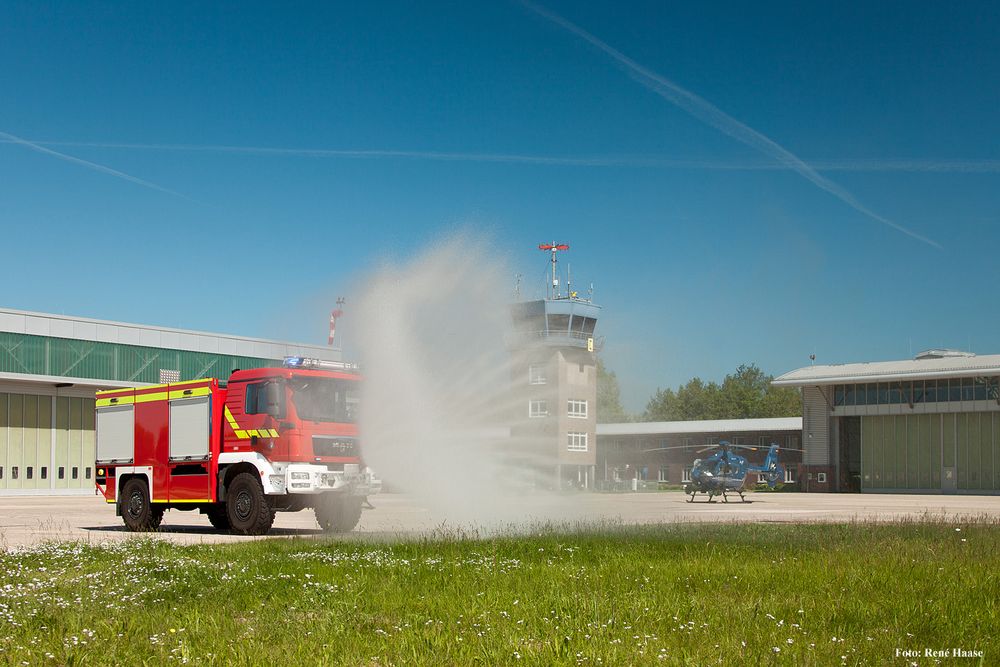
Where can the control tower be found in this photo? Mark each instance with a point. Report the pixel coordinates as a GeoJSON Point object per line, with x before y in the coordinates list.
{"type": "Point", "coordinates": [554, 378]}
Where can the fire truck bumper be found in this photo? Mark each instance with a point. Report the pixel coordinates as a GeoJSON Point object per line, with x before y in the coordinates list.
{"type": "Point", "coordinates": [304, 478]}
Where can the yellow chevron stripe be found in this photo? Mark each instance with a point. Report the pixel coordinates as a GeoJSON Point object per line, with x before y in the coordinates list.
{"type": "Point", "coordinates": [242, 435]}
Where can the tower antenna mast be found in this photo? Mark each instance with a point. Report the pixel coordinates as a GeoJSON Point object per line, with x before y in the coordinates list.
{"type": "Point", "coordinates": [554, 248]}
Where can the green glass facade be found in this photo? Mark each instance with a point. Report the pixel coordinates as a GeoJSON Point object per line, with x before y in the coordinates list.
{"type": "Point", "coordinates": [958, 451]}
{"type": "Point", "coordinates": [63, 357]}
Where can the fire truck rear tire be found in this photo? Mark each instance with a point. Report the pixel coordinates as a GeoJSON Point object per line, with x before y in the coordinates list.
{"type": "Point", "coordinates": [246, 506]}
{"type": "Point", "coordinates": [139, 514]}
{"type": "Point", "coordinates": [338, 514]}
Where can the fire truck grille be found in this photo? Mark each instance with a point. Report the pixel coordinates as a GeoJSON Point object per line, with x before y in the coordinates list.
{"type": "Point", "coordinates": [339, 446]}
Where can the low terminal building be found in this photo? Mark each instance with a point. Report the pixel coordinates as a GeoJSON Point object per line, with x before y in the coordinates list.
{"type": "Point", "coordinates": [636, 454]}
{"type": "Point", "coordinates": [51, 365]}
{"type": "Point", "coordinates": [925, 425]}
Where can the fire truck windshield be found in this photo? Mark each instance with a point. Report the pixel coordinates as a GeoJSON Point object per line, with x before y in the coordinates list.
{"type": "Point", "coordinates": [326, 399]}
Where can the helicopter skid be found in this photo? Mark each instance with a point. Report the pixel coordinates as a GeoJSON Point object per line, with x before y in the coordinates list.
{"type": "Point", "coordinates": [711, 496]}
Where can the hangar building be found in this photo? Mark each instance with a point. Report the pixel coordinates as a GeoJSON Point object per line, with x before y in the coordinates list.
{"type": "Point", "coordinates": [925, 425]}
{"type": "Point", "coordinates": [51, 365]}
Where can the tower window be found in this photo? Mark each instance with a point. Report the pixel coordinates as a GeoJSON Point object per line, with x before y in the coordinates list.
{"type": "Point", "coordinates": [536, 374]}
{"type": "Point", "coordinates": [576, 442]}
{"type": "Point", "coordinates": [538, 409]}
{"type": "Point", "coordinates": [577, 408]}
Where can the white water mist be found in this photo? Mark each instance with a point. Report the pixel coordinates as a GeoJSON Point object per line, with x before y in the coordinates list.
{"type": "Point", "coordinates": [432, 335]}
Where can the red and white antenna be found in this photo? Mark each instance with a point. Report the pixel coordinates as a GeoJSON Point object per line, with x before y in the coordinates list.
{"type": "Point", "coordinates": [554, 248]}
{"type": "Point", "coordinates": [333, 320]}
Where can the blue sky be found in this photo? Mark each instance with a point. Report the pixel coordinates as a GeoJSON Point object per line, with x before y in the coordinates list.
{"type": "Point", "coordinates": [706, 250]}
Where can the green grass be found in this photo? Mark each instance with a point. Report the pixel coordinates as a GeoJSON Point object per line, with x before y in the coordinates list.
{"type": "Point", "coordinates": [683, 594]}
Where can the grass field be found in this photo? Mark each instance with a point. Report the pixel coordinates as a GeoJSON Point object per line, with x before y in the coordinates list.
{"type": "Point", "coordinates": [687, 594]}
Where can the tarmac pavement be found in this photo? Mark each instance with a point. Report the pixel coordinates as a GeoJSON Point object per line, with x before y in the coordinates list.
{"type": "Point", "coordinates": [26, 520]}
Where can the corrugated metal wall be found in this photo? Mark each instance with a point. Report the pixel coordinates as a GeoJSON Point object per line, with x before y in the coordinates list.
{"type": "Point", "coordinates": [815, 427]}
{"type": "Point", "coordinates": [909, 451]}
{"type": "Point", "coordinates": [39, 452]}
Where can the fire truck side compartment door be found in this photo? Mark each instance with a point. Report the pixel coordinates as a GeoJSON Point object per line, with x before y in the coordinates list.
{"type": "Point", "coordinates": [115, 433]}
{"type": "Point", "coordinates": [190, 428]}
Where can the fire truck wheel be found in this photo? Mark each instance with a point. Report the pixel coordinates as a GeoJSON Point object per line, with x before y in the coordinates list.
{"type": "Point", "coordinates": [218, 517]}
{"type": "Point", "coordinates": [137, 512]}
{"type": "Point", "coordinates": [338, 514]}
{"type": "Point", "coordinates": [246, 506]}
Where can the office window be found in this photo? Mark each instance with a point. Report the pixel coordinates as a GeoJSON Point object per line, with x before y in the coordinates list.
{"type": "Point", "coordinates": [86, 472]}
{"type": "Point", "coordinates": [821, 477]}
{"type": "Point", "coordinates": [536, 374]}
{"type": "Point", "coordinates": [980, 389]}
{"type": "Point", "coordinates": [789, 475]}
{"type": "Point", "coordinates": [30, 472]}
{"type": "Point", "coordinates": [45, 472]}
{"type": "Point", "coordinates": [967, 389]}
{"type": "Point", "coordinates": [577, 442]}
{"type": "Point", "coordinates": [13, 472]}
{"type": "Point", "coordinates": [686, 474]}
{"type": "Point", "coordinates": [577, 408]}
{"type": "Point", "coordinates": [664, 475]}
{"type": "Point", "coordinates": [538, 409]}
{"type": "Point", "coordinates": [62, 472]}
{"type": "Point", "coordinates": [76, 473]}
{"type": "Point", "coordinates": [1, 472]}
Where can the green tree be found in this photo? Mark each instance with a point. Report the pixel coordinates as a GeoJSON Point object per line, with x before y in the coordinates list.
{"type": "Point", "coordinates": [694, 400]}
{"type": "Point", "coordinates": [609, 402]}
{"type": "Point", "coordinates": [745, 394]}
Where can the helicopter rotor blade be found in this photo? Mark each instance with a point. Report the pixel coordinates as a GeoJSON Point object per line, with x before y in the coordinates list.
{"type": "Point", "coordinates": [665, 449]}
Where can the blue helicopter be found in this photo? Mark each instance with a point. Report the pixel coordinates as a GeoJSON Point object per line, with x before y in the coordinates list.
{"type": "Point", "coordinates": [725, 471]}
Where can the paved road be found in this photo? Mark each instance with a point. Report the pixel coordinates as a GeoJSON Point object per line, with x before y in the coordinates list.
{"type": "Point", "coordinates": [29, 520]}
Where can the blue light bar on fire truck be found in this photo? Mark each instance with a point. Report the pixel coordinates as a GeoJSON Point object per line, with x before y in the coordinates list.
{"type": "Point", "coordinates": [318, 364]}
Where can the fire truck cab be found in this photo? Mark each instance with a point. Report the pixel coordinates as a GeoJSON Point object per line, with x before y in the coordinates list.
{"type": "Point", "coordinates": [265, 441]}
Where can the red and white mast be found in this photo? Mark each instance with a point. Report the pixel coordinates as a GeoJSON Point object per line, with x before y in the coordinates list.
{"type": "Point", "coordinates": [333, 320]}
{"type": "Point", "coordinates": [554, 248]}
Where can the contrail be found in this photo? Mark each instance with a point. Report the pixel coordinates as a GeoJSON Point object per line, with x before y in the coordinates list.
{"type": "Point", "coordinates": [709, 114]}
{"type": "Point", "coordinates": [10, 138]}
{"type": "Point", "coordinates": [880, 165]}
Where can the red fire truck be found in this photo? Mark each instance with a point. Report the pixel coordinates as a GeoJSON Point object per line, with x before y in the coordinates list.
{"type": "Point", "coordinates": [267, 440]}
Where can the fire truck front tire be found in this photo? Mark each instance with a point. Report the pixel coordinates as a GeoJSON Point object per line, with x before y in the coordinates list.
{"type": "Point", "coordinates": [218, 516]}
{"type": "Point", "coordinates": [246, 506]}
{"type": "Point", "coordinates": [139, 514]}
{"type": "Point", "coordinates": [336, 514]}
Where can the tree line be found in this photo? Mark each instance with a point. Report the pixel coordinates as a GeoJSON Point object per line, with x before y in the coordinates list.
{"type": "Point", "coordinates": [746, 393]}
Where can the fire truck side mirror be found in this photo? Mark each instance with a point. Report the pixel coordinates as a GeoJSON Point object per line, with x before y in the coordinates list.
{"type": "Point", "coordinates": [275, 395]}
